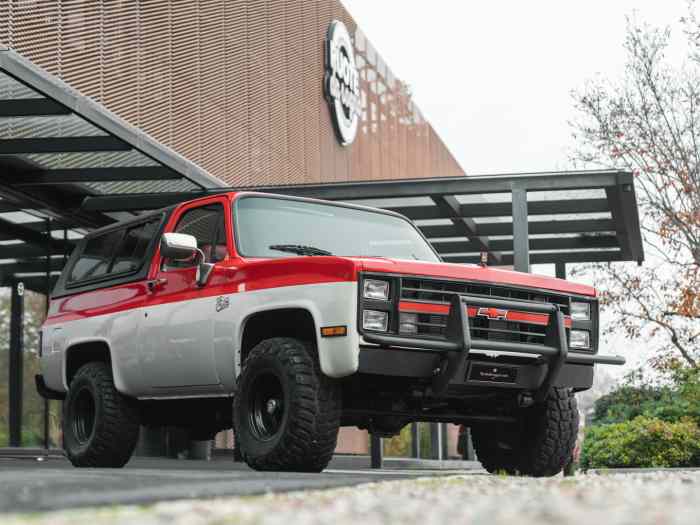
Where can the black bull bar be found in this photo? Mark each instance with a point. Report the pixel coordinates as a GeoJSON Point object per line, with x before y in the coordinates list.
{"type": "Point", "coordinates": [458, 342]}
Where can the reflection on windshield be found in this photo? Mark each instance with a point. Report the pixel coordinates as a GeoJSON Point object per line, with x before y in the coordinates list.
{"type": "Point", "coordinates": [265, 222]}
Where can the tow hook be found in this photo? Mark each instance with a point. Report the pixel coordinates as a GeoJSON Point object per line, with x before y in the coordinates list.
{"type": "Point", "coordinates": [525, 399]}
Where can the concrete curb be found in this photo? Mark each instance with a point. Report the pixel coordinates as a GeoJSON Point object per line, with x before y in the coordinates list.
{"type": "Point", "coordinates": [604, 471]}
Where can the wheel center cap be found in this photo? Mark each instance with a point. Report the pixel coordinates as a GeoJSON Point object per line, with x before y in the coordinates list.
{"type": "Point", "coordinates": [272, 406]}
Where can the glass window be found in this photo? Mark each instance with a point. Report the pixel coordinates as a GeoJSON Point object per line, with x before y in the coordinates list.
{"type": "Point", "coordinates": [96, 257]}
{"type": "Point", "coordinates": [269, 227]}
{"type": "Point", "coordinates": [208, 226]}
{"type": "Point", "coordinates": [117, 252]}
{"type": "Point", "coordinates": [132, 251]}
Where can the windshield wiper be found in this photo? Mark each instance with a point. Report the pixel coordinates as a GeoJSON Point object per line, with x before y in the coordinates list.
{"type": "Point", "coordinates": [299, 249]}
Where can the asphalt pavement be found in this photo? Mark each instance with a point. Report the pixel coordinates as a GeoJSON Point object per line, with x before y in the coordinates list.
{"type": "Point", "coordinates": [53, 484]}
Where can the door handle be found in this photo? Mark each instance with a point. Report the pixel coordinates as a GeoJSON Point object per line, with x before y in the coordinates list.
{"type": "Point", "coordinates": [155, 284]}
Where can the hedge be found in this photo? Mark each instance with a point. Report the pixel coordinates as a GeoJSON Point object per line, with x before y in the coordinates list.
{"type": "Point", "coordinates": [642, 442]}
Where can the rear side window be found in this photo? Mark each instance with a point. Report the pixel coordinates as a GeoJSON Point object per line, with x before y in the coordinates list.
{"type": "Point", "coordinates": [96, 258]}
{"type": "Point", "coordinates": [114, 253]}
{"type": "Point", "coordinates": [132, 250]}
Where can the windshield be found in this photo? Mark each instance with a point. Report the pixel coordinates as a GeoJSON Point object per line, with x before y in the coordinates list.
{"type": "Point", "coordinates": [269, 227]}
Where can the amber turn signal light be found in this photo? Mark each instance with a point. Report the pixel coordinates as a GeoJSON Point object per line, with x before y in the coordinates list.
{"type": "Point", "coordinates": [334, 331]}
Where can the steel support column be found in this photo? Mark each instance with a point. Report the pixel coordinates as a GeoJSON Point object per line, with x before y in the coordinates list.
{"type": "Point", "coordinates": [375, 451]}
{"type": "Point", "coordinates": [560, 268]}
{"type": "Point", "coordinates": [16, 363]}
{"type": "Point", "coordinates": [415, 441]}
{"type": "Point", "coordinates": [521, 246]}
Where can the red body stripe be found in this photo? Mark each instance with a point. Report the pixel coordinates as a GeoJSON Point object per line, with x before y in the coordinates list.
{"type": "Point", "coordinates": [512, 315]}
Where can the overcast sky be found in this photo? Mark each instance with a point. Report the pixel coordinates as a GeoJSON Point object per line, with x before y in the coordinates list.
{"type": "Point", "coordinates": [494, 78]}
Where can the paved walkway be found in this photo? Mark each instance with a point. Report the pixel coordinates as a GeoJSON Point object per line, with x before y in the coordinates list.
{"type": "Point", "coordinates": [31, 485]}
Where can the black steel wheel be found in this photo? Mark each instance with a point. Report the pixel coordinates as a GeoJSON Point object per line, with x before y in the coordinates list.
{"type": "Point", "coordinates": [286, 413]}
{"type": "Point", "coordinates": [540, 444]}
{"type": "Point", "coordinates": [100, 425]}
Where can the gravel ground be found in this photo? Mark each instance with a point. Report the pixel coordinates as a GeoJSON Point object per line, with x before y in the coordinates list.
{"type": "Point", "coordinates": [658, 498]}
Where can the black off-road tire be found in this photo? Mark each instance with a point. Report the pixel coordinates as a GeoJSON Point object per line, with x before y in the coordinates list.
{"type": "Point", "coordinates": [540, 444]}
{"type": "Point", "coordinates": [306, 430]}
{"type": "Point", "coordinates": [100, 425]}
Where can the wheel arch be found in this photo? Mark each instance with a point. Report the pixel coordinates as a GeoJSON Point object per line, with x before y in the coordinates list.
{"type": "Point", "coordinates": [80, 353]}
{"type": "Point", "coordinates": [285, 321]}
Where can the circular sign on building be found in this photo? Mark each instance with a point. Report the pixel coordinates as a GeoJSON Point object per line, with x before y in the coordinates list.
{"type": "Point", "coordinates": [342, 83]}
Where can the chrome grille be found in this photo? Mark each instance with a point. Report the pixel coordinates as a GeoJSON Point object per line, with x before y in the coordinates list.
{"type": "Point", "coordinates": [440, 292]}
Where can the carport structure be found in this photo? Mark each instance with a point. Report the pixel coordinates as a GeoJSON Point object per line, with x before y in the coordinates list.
{"type": "Point", "coordinates": [67, 165]}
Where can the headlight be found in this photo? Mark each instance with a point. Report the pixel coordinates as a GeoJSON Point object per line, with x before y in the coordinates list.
{"type": "Point", "coordinates": [580, 311]}
{"type": "Point", "coordinates": [375, 320]}
{"type": "Point", "coordinates": [373, 289]}
{"type": "Point", "coordinates": [408, 323]}
{"type": "Point", "coordinates": [580, 339]}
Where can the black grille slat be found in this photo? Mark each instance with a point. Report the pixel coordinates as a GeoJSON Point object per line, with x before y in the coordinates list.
{"type": "Point", "coordinates": [441, 292]}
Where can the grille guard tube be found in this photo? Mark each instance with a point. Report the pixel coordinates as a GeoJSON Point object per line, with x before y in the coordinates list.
{"type": "Point", "coordinates": [458, 341]}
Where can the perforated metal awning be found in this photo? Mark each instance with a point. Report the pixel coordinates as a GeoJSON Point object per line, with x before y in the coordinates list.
{"type": "Point", "coordinates": [68, 165]}
{"type": "Point", "coordinates": [58, 147]}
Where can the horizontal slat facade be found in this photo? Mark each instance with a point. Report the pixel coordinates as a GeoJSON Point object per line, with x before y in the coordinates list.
{"type": "Point", "coordinates": [233, 85]}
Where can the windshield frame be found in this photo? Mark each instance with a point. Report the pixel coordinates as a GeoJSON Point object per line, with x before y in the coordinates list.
{"type": "Point", "coordinates": [253, 195]}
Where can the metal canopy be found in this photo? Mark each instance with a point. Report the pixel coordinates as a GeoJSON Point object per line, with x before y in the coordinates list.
{"type": "Point", "coordinates": [58, 147]}
{"type": "Point", "coordinates": [563, 217]}
{"type": "Point", "coordinates": [67, 165]}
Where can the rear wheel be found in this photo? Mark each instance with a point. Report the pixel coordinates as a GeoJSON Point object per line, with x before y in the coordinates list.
{"type": "Point", "coordinates": [540, 444]}
{"type": "Point", "coordinates": [100, 425]}
{"type": "Point", "coordinates": [286, 412]}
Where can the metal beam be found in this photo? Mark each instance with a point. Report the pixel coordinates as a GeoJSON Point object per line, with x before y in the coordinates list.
{"type": "Point", "coordinates": [137, 202]}
{"type": "Point", "coordinates": [623, 207]}
{"type": "Point", "coordinates": [62, 145]}
{"type": "Point", "coordinates": [31, 107]}
{"type": "Point", "coordinates": [17, 231]}
{"type": "Point", "coordinates": [521, 247]}
{"type": "Point", "coordinates": [507, 245]}
{"type": "Point", "coordinates": [450, 207]}
{"type": "Point", "coordinates": [31, 266]}
{"type": "Point", "coordinates": [504, 209]}
{"type": "Point", "coordinates": [473, 184]}
{"type": "Point", "coordinates": [24, 251]}
{"type": "Point", "coordinates": [548, 258]}
{"type": "Point", "coordinates": [83, 175]}
{"type": "Point", "coordinates": [534, 227]}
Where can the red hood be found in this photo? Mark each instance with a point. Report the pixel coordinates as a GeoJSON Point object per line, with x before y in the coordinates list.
{"type": "Point", "coordinates": [472, 273]}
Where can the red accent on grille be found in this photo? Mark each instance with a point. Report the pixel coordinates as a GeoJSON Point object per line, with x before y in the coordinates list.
{"type": "Point", "coordinates": [510, 315]}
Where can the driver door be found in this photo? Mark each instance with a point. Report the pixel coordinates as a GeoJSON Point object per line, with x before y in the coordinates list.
{"type": "Point", "coordinates": [177, 338]}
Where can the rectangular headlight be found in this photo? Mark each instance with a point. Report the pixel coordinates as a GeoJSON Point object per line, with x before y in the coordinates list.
{"type": "Point", "coordinates": [580, 339]}
{"type": "Point", "coordinates": [374, 289]}
{"type": "Point", "coordinates": [408, 323]}
{"type": "Point", "coordinates": [580, 311]}
{"type": "Point", "coordinates": [375, 320]}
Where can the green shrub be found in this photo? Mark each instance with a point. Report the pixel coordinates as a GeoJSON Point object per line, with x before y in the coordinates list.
{"type": "Point", "coordinates": [642, 442]}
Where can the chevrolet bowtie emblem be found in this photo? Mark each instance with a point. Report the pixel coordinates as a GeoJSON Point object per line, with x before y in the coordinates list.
{"type": "Point", "coordinates": [494, 314]}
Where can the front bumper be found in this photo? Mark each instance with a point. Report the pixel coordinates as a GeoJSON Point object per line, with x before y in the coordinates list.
{"type": "Point", "coordinates": [456, 352]}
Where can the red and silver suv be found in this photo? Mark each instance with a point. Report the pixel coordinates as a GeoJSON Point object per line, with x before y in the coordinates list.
{"type": "Point", "coordinates": [287, 318]}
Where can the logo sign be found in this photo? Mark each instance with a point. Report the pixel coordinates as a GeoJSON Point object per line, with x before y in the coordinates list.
{"type": "Point", "coordinates": [342, 83]}
{"type": "Point", "coordinates": [493, 314]}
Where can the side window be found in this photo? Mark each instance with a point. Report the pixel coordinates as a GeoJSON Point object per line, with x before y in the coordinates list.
{"type": "Point", "coordinates": [208, 226]}
{"type": "Point", "coordinates": [131, 252]}
{"type": "Point", "coordinates": [96, 257]}
{"type": "Point", "coordinates": [117, 252]}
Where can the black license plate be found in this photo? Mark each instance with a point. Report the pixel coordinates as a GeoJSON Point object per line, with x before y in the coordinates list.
{"type": "Point", "coordinates": [493, 374]}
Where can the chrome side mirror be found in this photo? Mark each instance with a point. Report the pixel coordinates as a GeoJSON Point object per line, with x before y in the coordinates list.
{"type": "Point", "coordinates": [180, 247]}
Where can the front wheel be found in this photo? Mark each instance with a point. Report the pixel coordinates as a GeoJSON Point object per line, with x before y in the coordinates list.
{"type": "Point", "coordinates": [286, 413]}
{"type": "Point", "coordinates": [100, 425]}
{"type": "Point", "coordinates": [540, 444]}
